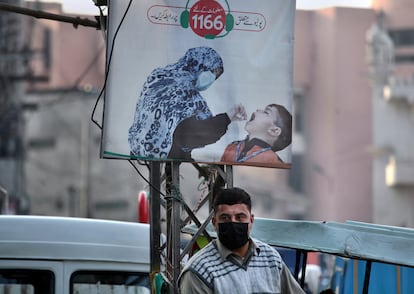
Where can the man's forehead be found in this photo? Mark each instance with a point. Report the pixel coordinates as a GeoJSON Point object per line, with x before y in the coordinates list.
{"type": "Point", "coordinates": [234, 208]}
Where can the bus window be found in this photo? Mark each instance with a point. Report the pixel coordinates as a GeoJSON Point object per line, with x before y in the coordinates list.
{"type": "Point", "coordinates": [109, 282]}
{"type": "Point", "coordinates": [27, 281]}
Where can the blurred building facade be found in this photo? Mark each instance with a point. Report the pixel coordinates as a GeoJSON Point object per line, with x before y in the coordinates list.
{"type": "Point", "coordinates": [353, 142]}
{"type": "Point", "coordinates": [358, 160]}
{"type": "Point", "coordinates": [61, 172]}
{"type": "Point", "coordinates": [393, 109]}
{"type": "Point", "coordinates": [335, 100]}
{"type": "Point", "coordinates": [13, 73]}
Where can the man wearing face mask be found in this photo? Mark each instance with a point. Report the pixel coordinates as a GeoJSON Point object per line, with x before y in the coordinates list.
{"type": "Point", "coordinates": [235, 263]}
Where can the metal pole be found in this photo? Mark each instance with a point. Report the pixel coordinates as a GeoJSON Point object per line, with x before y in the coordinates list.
{"type": "Point", "coordinates": [5, 200]}
{"type": "Point", "coordinates": [303, 270]}
{"type": "Point", "coordinates": [297, 264]}
{"type": "Point", "coordinates": [367, 276]}
{"type": "Point", "coordinates": [155, 226]}
{"type": "Point", "coordinates": [84, 201]}
{"type": "Point", "coordinates": [175, 225]}
{"type": "Point", "coordinates": [46, 15]}
{"type": "Point", "coordinates": [229, 176]}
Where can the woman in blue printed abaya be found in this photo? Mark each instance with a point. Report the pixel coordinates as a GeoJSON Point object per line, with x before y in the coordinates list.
{"type": "Point", "coordinates": [171, 98]}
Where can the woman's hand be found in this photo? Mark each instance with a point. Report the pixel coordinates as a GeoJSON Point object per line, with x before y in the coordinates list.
{"type": "Point", "coordinates": [237, 113]}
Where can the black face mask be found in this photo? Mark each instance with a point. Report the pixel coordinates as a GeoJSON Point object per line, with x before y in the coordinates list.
{"type": "Point", "coordinates": [233, 235]}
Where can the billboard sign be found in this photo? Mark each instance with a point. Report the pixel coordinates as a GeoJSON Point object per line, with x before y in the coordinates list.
{"type": "Point", "coordinates": [206, 81]}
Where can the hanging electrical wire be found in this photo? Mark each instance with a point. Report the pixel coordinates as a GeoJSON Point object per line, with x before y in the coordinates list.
{"type": "Point", "coordinates": [109, 65]}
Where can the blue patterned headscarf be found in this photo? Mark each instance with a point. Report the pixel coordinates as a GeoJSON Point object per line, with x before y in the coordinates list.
{"type": "Point", "coordinates": [169, 96]}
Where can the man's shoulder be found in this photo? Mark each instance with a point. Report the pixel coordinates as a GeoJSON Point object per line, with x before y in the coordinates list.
{"type": "Point", "coordinates": [209, 250]}
{"type": "Point", "coordinates": [264, 247]}
{"type": "Point", "coordinates": [259, 243]}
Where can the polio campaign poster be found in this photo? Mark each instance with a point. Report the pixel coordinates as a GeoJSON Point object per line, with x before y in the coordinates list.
{"type": "Point", "coordinates": [207, 81]}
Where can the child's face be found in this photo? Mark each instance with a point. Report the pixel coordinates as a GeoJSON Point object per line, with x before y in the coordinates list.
{"type": "Point", "coordinates": [261, 121]}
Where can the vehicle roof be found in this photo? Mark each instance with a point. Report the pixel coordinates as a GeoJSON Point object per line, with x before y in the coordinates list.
{"type": "Point", "coordinates": [65, 238]}
{"type": "Point", "coordinates": [351, 239]}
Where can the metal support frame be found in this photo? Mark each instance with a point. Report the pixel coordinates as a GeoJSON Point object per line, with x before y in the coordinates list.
{"type": "Point", "coordinates": [300, 266]}
{"type": "Point", "coordinates": [174, 227]}
{"type": "Point", "coordinates": [175, 206]}
{"type": "Point", "coordinates": [367, 276]}
{"type": "Point", "coordinates": [5, 204]}
{"type": "Point", "coordinates": [155, 231]}
{"type": "Point", "coordinates": [75, 21]}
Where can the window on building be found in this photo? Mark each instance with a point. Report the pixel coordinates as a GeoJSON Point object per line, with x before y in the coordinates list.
{"type": "Point", "coordinates": [403, 58]}
{"type": "Point", "coordinates": [404, 37]}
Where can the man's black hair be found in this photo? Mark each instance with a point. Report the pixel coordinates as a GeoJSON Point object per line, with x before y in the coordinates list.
{"type": "Point", "coordinates": [231, 196]}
